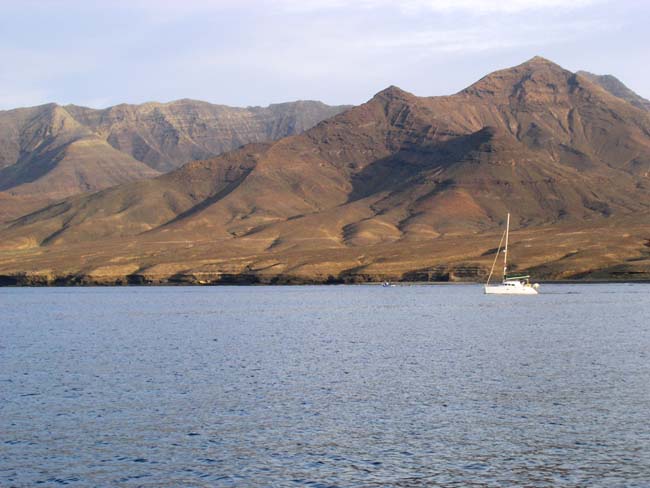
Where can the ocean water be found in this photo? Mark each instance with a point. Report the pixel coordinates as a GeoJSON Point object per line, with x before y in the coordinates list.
{"type": "Point", "coordinates": [324, 386]}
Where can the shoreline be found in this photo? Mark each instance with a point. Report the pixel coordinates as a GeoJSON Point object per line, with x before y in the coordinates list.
{"type": "Point", "coordinates": [25, 280]}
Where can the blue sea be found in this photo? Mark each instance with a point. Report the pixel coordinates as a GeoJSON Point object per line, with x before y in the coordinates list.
{"type": "Point", "coordinates": [325, 386]}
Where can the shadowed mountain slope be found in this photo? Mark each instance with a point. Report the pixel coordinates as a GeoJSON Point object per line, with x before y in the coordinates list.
{"type": "Point", "coordinates": [369, 184]}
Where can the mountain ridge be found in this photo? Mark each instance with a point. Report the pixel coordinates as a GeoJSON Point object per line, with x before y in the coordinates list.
{"type": "Point", "coordinates": [127, 142]}
{"type": "Point", "coordinates": [401, 186]}
{"type": "Point", "coordinates": [616, 87]}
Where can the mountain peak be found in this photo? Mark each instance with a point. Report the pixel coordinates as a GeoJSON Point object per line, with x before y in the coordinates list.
{"type": "Point", "coordinates": [393, 93]}
{"type": "Point", "coordinates": [392, 90]}
{"type": "Point", "coordinates": [539, 60]}
{"type": "Point", "coordinates": [537, 73]}
{"type": "Point", "coordinates": [539, 64]}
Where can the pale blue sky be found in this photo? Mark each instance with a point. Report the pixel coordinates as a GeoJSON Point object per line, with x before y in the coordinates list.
{"type": "Point", "coordinates": [256, 52]}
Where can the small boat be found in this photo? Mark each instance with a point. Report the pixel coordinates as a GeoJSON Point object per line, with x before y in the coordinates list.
{"type": "Point", "coordinates": [511, 285]}
{"type": "Point", "coordinates": [387, 283]}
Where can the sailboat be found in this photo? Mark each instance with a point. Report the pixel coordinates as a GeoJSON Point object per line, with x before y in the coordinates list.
{"type": "Point", "coordinates": [511, 285]}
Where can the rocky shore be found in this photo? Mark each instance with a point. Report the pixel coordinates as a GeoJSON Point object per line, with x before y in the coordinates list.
{"type": "Point", "coordinates": [439, 275]}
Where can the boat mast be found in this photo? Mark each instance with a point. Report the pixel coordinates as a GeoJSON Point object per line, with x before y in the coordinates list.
{"type": "Point", "coordinates": [505, 249]}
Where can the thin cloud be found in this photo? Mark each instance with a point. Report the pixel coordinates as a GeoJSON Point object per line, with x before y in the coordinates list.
{"type": "Point", "coordinates": [167, 8]}
{"type": "Point", "coordinates": [487, 37]}
{"type": "Point", "coordinates": [444, 6]}
{"type": "Point", "coordinates": [260, 51]}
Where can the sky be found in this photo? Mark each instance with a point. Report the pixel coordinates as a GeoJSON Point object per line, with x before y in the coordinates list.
{"type": "Point", "coordinates": [99, 53]}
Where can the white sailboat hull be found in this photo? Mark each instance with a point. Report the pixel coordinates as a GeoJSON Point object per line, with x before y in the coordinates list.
{"type": "Point", "coordinates": [510, 285]}
{"type": "Point", "coordinates": [511, 288]}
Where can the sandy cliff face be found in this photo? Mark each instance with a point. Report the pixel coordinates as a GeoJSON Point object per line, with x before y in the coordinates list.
{"type": "Point", "coordinates": [400, 187]}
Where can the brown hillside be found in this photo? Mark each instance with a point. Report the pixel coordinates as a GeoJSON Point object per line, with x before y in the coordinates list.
{"type": "Point", "coordinates": [166, 135]}
{"type": "Point", "coordinates": [52, 152]}
{"type": "Point", "coordinates": [396, 186]}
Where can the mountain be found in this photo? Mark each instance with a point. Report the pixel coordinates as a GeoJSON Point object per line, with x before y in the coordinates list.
{"type": "Point", "coordinates": [51, 152]}
{"type": "Point", "coordinates": [166, 135]}
{"type": "Point", "coordinates": [402, 186]}
{"type": "Point", "coordinates": [616, 87]}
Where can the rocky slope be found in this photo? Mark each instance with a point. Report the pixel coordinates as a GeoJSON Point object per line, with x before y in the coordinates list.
{"type": "Point", "coordinates": [51, 152]}
{"type": "Point", "coordinates": [166, 135]}
{"type": "Point", "coordinates": [617, 88]}
{"type": "Point", "coordinates": [402, 186]}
